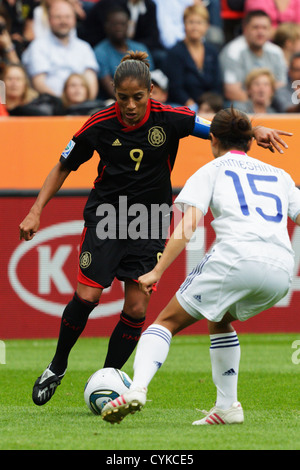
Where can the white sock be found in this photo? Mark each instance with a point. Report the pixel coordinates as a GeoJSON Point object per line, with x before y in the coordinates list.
{"type": "Point", "coordinates": [225, 358]}
{"type": "Point", "coordinates": [151, 353]}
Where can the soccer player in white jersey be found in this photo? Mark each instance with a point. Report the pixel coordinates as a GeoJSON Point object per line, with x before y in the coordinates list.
{"type": "Point", "coordinates": [248, 270]}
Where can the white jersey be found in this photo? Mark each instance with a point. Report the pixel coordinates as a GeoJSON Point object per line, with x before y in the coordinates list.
{"type": "Point", "coordinates": [250, 200]}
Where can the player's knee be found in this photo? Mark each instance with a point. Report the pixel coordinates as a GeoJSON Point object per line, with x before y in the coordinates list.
{"type": "Point", "coordinates": [93, 299]}
{"type": "Point", "coordinates": [135, 310]}
{"type": "Point", "coordinates": [223, 326]}
{"type": "Point", "coordinates": [89, 294]}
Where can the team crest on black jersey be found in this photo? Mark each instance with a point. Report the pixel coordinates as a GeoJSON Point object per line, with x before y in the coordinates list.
{"type": "Point", "coordinates": [85, 259]}
{"type": "Point", "coordinates": [156, 136]}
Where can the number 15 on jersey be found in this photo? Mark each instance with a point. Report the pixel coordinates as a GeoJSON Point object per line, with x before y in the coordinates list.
{"type": "Point", "coordinates": [252, 180]}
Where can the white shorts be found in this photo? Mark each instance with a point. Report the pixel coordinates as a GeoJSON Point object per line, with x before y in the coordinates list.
{"type": "Point", "coordinates": [243, 280]}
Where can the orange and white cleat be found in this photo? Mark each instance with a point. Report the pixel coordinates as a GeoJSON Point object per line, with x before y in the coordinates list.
{"type": "Point", "coordinates": [234, 415]}
{"type": "Point", "coordinates": [115, 410]}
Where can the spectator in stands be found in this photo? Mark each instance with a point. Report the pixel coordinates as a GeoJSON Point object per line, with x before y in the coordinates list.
{"type": "Point", "coordinates": [251, 50]}
{"type": "Point", "coordinates": [171, 25]}
{"type": "Point", "coordinates": [8, 52]}
{"type": "Point", "coordinates": [160, 82]}
{"type": "Point", "coordinates": [232, 13]}
{"type": "Point", "coordinates": [160, 90]}
{"type": "Point", "coordinates": [170, 20]}
{"type": "Point", "coordinates": [142, 26]}
{"type": "Point", "coordinates": [79, 10]}
{"type": "Point", "coordinates": [287, 37]}
{"type": "Point", "coordinates": [41, 16]}
{"type": "Point", "coordinates": [287, 98]}
{"type": "Point", "coordinates": [260, 86]}
{"type": "Point", "coordinates": [192, 65]}
{"type": "Point", "coordinates": [20, 13]}
{"type": "Point", "coordinates": [76, 97]}
{"type": "Point", "coordinates": [210, 103]}
{"type": "Point", "coordinates": [51, 59]}
{"type": "Point", "coordinates": [87, 5]}
{"type": "Point", "coordinates": [279, 11]}
{"type": "Point", "coordinates": [22, 99]}
{"type": "Point", "coordinates": [111, 50]}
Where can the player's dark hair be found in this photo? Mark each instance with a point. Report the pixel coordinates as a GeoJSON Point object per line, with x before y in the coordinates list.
{"type": "Point", "coordinates": [233, 128]}
{"type": "Point", "coordinates": [134, 65]}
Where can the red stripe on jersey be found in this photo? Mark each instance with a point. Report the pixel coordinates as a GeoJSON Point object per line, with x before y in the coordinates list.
{"type": "Point", "coordinates": [100, 116]}
{"type": "Point", "coordinates": [156, 106]}
{"type": "Point", "coordinates": [102, 112]}
{"type": "Point", "coordinates": [81, 277]}
{"type": "Point", "coordinates": [173, 110]}
{"type": "Point", "coordinates": [95, 122]}
{"type": "Point", "coordinates": [97, 180]}
{"type": "Point", "coordinates": [169, 164]}
{"type": "Point", "coordinates": [86, 281]}
{"type": "Point", "coordinates": [136, 126]}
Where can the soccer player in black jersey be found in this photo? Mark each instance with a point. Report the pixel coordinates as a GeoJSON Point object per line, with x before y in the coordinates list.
{"type": "Point", "coordinates": [137, 139]}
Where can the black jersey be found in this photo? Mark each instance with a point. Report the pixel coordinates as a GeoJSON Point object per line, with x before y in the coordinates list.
{"type": "Point", "coordinates": [135, 161]}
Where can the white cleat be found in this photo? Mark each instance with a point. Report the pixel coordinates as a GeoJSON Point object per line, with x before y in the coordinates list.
{"type": "Point", "coordinates": [234, 415]}
{"type": "Point", "coordinates": [115, 411]}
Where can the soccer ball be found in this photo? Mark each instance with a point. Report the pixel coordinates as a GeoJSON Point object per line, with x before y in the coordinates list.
{"type": "Point", "coordinates": [103, 386]}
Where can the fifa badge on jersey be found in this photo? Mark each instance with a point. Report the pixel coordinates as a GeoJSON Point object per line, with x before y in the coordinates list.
{"type": "Point", "coordinates": [68, 149]}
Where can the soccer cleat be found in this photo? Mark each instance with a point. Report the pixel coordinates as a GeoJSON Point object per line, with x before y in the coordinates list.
{"type": "Point", "coordinates": [234, 415]}
{"type": "Point", "coordinates": [45, 386]}
{"type": "Point", "coordinates": [115, 411]}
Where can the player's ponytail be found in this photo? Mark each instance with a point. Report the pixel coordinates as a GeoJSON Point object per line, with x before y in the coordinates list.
{"type": "Point", "coordinates": [134, 65]}
{"type": "Point", "coordinates": [233, 128]}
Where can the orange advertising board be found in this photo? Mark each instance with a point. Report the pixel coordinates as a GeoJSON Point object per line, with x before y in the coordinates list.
{"type": "Point", "coordinates": [31, 146]}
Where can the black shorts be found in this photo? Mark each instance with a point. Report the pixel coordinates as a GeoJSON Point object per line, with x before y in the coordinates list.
{"type": "Point", "coordinates": [100, 261]}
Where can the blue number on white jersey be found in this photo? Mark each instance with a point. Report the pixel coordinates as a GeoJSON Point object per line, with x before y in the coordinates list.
{"type": "Point", "coordinates": [241, 195]}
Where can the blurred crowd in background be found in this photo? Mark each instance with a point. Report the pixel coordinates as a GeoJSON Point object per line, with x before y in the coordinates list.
{"type": "Point", "coordinates": [58, 57]}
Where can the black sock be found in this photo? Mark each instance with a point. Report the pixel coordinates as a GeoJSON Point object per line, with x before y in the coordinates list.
{"type": "Point", "coordinates": [73, 322]}
{"type": "Point", "coordinates": [123, 341]}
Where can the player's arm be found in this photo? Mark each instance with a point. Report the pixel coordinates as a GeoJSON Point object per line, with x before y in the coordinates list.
{"type": "Point", "coordinates": [201, 128]}
{"type": "Point", "coordinates": [178, 241]}
{"type": "Point", "coordinates": [264, 136]}
{"type": "Point", "coordinates": [270, 138]}
{"type": "Point", "coordinates": [52, 184]}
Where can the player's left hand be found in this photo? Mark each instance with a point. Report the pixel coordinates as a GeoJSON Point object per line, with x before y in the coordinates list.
{"type": "Point", "coordinates": [29, 226]}
{"type": "Point", "coordinates": [270, 138]}
{"type": "Point", "coordinates": [146, 282]}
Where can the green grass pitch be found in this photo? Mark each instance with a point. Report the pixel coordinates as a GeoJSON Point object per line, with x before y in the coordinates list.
{"type": "Point", "coordinates": [268, 390]}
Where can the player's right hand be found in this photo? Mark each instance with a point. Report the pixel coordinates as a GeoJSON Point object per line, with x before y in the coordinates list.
{"type": "Point", "coordinates": [29, 227]}
{"type": "Point", "coordinates": [146, 282]}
